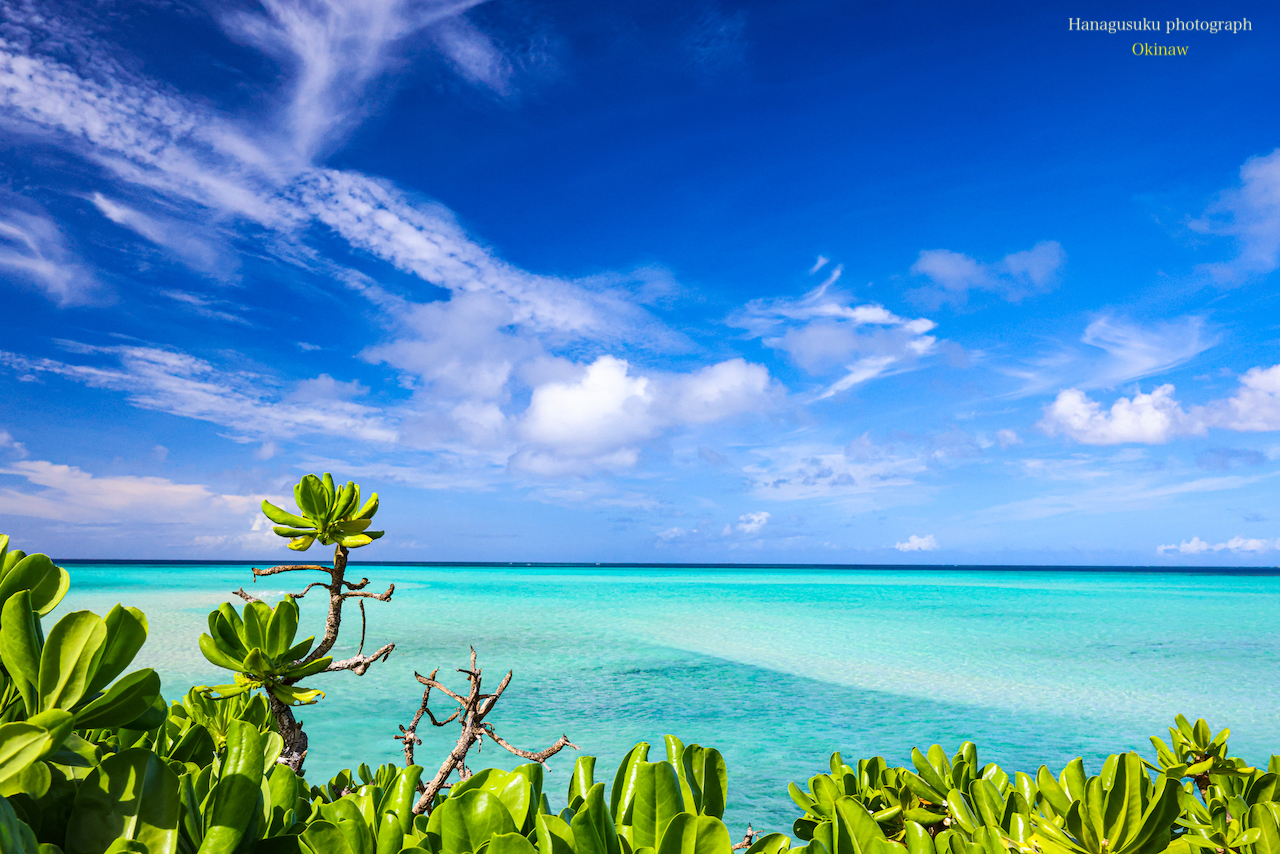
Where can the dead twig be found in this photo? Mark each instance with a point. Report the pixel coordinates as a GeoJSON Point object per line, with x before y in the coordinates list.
{"type": "Point", "coordinates": [472, 710]}
{"type": "Point", "coordinates": [747, 840]}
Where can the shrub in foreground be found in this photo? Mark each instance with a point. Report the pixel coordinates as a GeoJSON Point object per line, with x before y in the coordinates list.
{"type": "Point", "coordinates": [94, 761]}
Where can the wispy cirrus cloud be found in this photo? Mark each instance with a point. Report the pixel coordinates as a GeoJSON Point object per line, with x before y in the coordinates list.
{"type": "Point", "coordinates": [1117, 350]}
{"type": "Point", "coordinates": [824, 333]}
{"type": "Point", "coordinates": [253, 406]}
{"type": "Point", "coordinates": [1249, 213]}
{"type": "Point", "coordinates": [33, 249]}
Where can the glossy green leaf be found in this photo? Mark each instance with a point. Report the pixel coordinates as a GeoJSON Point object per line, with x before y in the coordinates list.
{"type": "Point", "coordinates": [257, 616]}
{"type": "Point", "coordinates": [555, 836]}
{"type": "Point", "coordinates": [582, 780]}
{"type": "Point", "coordinates": [283, 517]}
{"type": "Point", "coordinates": [624, 780]}
{"type": "Point", "coordinates": [233, 801]}
{"type": "Point", "coordinates": [509, 787]}
{"type": "Point", "coordinates": [281, 627]}
{"type": "Point", "coordinates": [466, 822]}
{"type": "Point", "coordinates": [917, 839]}
{"type": "Point", "coordinates": [211, 651]}
{"type": "Point", "coordinates": [771, 843]}
{"type": "Point", "coordinates": [655, 801]}
{"type": "Point", "coordinates": [15, 836]}
{"type": "Point", "coordinates": [69, 659]}
{"type": "Point", "coordinates": [592, 825]}
{"type": "Point", "coordinates": [131, 795]}
{"type": "Point", "coordinates": [36, 573]}
{"type": "Point", "coordinates": [20, 647]}
{"type": "Point", "coordinates": [510, 843]}
{"type": "Point", "coordinates": [323, 837]}
{"type": "Point", "coordinates": [21, 745]}
{"type": "Point", "coordinates": [695, 834]}
{"type": "Point", "coordinates": [123, 703]}
{"type": "Point", "coordinates": [126, 633]}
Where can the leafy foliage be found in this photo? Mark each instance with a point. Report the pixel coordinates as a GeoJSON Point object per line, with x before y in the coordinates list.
{"type": "Point", "coordinates": [332, 515]}
{"type": "Point", "coordinates": [259, 648]}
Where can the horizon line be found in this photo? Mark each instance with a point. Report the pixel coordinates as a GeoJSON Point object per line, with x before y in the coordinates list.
{"type": "Point", "coordinates": [978, 567]}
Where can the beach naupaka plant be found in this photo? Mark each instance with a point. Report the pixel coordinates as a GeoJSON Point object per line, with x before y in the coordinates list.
{"type": "Point", "coordinates": [332, 515]}
{"type": "Point", "coordinates": [258, 644]}
{"type": "Point", "coordinates": [259, 649]}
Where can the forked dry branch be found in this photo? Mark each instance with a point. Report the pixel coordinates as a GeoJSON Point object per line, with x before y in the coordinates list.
{"type": "Point", "coordinates": [472, 710]}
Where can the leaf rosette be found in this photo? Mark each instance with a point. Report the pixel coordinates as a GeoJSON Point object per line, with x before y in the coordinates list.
{"type": "Point", "coordinates": [259, 649]}
{"type": "Point", "coordinates": [331, 514]}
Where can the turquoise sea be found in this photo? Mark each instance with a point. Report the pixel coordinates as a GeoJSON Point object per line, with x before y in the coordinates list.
{"type": "Point", "coordinates": [775, 667]}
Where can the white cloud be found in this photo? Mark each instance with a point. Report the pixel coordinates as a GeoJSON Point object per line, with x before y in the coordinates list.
{"type": "Point", "coordinates": [1236, 544]}
{"type": "Point", "coordinates": [12, 445]}
{"type": "Point", "coordinates": [1256, 406]}
{"type": "Point", "coordinates": [1157, 417]}
{"type": "Point", "coordinates": [32, 248]}
{"type": "Point", "coordinates": [599, 420]}
{"type": "Point", "coordinates": [807, 471]}
{"type": "Point", "coordinates": [1251, 214]}
{"type": "Point", "coordinates": [1135, 351]}
{"type": "Point", "coordinates": [823, 332]}
{"type": "Point", "coordinates": [337, 51]}
{"type": "Point", "coordinates": [180, 384]}
{"type": "Point", "coordinates": [1152, 418]}
{"type": "Point", "coordinates": [749, 523]}
{"type": "Point", "coordinates": [1007, 438]}
{"type": "Point", "coordinates": [175, 235]}
{"type": "Point", "coordinates": [916, 543]}
{"type": "Point", "coordinates": [1018, 275]}
{"type": "Point", "coordinates": [66, 493]}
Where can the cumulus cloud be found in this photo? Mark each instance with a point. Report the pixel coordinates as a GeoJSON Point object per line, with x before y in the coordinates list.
{"type": "Point", "coordinates": [602, 417]}
{"type": "Point", "coordinates": [824, 333]}
{"type": "Point", "coordinates": [1236, 544]}
{"type": "Point", "coordinates": [33, 249]}
{"type": "Point", "coordinates": [749, 523]}
{"type": "Point", "coordinates": [1250, 213]}
{"type": "Point", "coordinates": [916, 543]}
{"type": "Point", "coordinates": [952, 275]}
{"type": "Point", "coordinates": [1157, 417]}
{"type": "Point", "coordinates": [1153, 418]}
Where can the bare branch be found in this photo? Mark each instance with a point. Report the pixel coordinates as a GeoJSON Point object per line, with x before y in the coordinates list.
{"type": "Point", "coordinates": [472, 711]}
{"type": "Point", "coordinates": [360, 663]}
{"type": "Point", "coordinates": [245, 596]}
{"type": "Point", "coordinates": [307, 589]}
{"type": "Point", "coordinates": [294, 567]}
{"type": "Point", "coordinates": [381, 597]}
{"type": "Point", "coordinates": [410, 736]}
{"type": "Point", "coordinates": [541, 756]}
{"type": "Point", "coordinates": [746, 840]}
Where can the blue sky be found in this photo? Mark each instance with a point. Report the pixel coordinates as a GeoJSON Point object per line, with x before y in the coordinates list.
{"type": "Point", "coordinates": [642, 281]}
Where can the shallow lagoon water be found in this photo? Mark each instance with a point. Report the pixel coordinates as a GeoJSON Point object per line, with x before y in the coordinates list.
{"type": "Point", "coordinates": [775, 667]}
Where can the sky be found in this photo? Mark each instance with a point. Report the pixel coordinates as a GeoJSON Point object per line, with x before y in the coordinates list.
{"type": "Point", "coordinates": [803, 282]}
